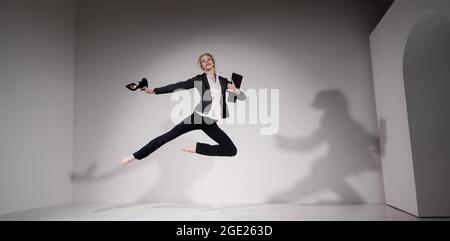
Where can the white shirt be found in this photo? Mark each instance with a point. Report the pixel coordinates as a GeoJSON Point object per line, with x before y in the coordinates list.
{"type": "Point", "coordinates": [215, 112]}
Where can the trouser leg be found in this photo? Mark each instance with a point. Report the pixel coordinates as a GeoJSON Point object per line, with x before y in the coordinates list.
{"type": "Point", "coordinates": [225, 146]}
{"type": "Point", "coordinates": [156, 143]}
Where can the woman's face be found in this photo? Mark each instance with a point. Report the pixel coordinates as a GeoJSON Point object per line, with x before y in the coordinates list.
{"type": "Point", "coordinates": [207, 63]}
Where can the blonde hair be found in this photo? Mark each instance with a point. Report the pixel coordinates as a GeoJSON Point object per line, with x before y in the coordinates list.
{"type": "Point", "coordinates": [199, 61]}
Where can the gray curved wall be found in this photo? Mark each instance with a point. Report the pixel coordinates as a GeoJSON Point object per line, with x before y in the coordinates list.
{"type": "Point", "coordinates": [427, 87]}
{"type": "Point", "coordinates": [411, 62]}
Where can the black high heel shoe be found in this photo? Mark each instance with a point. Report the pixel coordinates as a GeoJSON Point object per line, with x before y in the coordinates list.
{"type": "Point", "coordinates": [142, 84]}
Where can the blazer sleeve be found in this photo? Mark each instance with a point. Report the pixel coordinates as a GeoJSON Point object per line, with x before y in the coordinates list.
{"type": "Point", "coordinates": [241, 95]}
{"type": "Point", "coordinates": [183, 85]}
{"type": "Point", "coordinates": [232, 97]}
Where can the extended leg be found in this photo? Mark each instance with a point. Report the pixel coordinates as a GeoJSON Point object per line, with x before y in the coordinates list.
{"type": "Point", "coordinates": [156, 143]}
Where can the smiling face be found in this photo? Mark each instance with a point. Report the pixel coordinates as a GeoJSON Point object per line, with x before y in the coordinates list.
{"type": "Point", "coordinates": [207, 62]}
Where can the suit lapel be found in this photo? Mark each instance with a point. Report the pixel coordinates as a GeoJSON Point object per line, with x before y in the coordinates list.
{"type": "Point", "coordinates": [223, 83]}
{"type": "Point", "coordinates": [205, 81]}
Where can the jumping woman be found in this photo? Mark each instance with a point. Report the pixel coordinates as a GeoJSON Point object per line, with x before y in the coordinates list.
{"type": "Point", "coordinates": [213, 107]}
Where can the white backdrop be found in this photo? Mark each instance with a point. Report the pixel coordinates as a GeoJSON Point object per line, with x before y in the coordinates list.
{"type": "Point", "coordinates": [311, 51]}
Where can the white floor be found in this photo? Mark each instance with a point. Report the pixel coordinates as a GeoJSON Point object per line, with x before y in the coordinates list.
{"type": "Point", "coordinates": [193, 212]}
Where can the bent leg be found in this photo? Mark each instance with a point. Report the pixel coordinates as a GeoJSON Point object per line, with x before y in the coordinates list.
{"type": "Point", "coordinates": [225, 147]}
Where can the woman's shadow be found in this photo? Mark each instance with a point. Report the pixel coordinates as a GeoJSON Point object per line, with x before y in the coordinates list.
{"type": "Point", "coordinates": [351, 151]}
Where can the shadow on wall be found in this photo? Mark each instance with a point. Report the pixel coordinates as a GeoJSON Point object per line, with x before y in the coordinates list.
{"type": "Point", "coordinates": [357, 153]}
{"type": "Point", "coordinates": [382, 132]}
{"type": "Point", "coordinates": [176, 177]}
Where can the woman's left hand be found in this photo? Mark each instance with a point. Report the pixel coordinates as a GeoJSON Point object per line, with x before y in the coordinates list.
{"type": "Point", "coordinates": [232, 87]}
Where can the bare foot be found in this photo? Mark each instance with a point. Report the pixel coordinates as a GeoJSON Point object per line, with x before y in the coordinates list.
{"type": "Point", "coordinates": [127, 160]}
{"type": "Point", "coordinates": [191, 149]}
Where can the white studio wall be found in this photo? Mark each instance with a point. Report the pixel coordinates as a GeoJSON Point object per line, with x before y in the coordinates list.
{"type": "Point", "coordinates": [37, 48]}
{"type": "Point", "coordinates": [315, 53]}
{"type": "Point", "coordinates": [411, 61]}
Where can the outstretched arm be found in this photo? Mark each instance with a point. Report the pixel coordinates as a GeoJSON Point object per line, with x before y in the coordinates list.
{"type": "Point", "coordinates": [184, 85]}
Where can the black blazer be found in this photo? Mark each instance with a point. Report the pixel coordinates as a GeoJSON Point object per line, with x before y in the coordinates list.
{"type": "Point", "coordinates": [200, 82]}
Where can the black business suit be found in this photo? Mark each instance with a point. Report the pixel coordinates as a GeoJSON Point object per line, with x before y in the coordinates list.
{"type": "Point", "coordinates": [196, 121]}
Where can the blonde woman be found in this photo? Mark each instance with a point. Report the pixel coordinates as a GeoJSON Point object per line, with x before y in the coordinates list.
{"type": "Point", "coordinates": [212, 108]}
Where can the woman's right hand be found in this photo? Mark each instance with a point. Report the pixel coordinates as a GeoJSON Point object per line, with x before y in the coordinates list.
{"type": "Point", "coordinates": [149, 90]}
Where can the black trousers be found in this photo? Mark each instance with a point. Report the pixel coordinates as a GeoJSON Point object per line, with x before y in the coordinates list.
{"type": "Point", "coordinates": [225, 146]}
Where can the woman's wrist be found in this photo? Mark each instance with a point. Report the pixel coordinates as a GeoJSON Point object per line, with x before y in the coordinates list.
{"type": "Point", "coordinates": [150, 91]}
